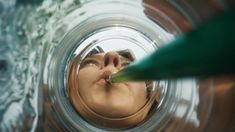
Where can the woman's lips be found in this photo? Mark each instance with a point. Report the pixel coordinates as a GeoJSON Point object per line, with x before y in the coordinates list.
{"type": "Point", "coordinates": [103, 79]}
{"type": "Point", "coordinates": [105, 76]}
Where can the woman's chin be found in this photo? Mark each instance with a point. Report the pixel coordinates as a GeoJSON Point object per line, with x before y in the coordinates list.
{"type": "Point", "coordinates": [113, 109]}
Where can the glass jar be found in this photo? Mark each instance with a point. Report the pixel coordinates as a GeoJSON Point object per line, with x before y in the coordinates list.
{"type": "Point", "coordinates": [40, 39]}
{"type": "Point", "coordinates": [117, 25]}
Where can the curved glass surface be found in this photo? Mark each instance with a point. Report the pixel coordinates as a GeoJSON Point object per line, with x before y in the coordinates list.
{"type": "Point", "coordinates": [41, 41]}
{"type": "Point", "coordinates": [120, 25]}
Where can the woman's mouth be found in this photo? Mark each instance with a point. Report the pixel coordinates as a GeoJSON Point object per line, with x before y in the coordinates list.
{"type": "Point", "coordinates": [104, 79]}
{"type": "Point", "coordinates": [105, 76]}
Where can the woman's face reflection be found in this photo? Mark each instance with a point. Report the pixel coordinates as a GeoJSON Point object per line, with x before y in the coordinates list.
{"type": "Point", "coordinates": [110, 100]}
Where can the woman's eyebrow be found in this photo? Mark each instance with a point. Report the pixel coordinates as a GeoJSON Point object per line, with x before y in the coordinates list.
{"type": "Point", "coordinates": [94, 56]}
{"type": "Point", "coordinates": [99, 57]}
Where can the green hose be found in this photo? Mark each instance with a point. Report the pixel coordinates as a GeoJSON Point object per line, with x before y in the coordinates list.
{"type": "Point", "coordinates": [206, 51]}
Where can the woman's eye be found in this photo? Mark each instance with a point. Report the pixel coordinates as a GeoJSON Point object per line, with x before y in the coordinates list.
{"type": "Point", "coordinates": [86, 63]}
{"type": "Point", "coordinates": [124, 64]}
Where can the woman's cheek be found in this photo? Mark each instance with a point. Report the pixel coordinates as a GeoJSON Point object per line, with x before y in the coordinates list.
{"type": "Point", "coordinates": [139, 90]}
{"type": "Point", "coordinates": [87, 76]}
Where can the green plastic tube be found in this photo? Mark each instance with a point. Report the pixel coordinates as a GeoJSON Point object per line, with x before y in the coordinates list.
{"type": "Point", "coordinates": [207, 50]}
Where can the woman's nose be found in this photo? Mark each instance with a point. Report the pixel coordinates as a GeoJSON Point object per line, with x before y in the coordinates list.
{"type": "Point", "coordinates": [112, 58]}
